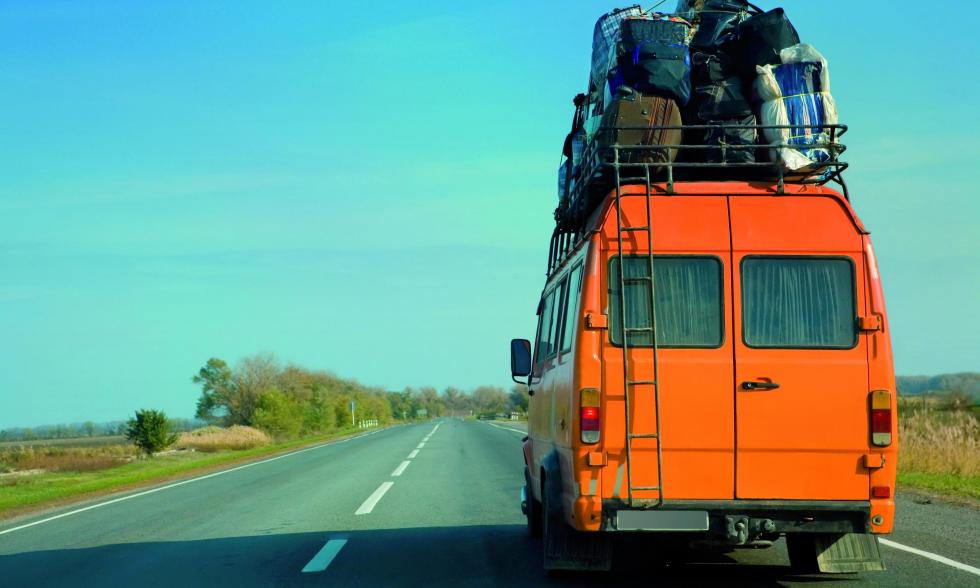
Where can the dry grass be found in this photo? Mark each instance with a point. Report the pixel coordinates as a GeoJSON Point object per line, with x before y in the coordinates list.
{"type": "Point", "coordinates": [211, 439]}
{"type": "Point", "coordinates": [938, 441]}
{"type": "Point", "coordinates": [65, 459]}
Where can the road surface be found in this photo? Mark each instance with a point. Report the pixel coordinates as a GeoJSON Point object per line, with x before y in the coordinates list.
{"type": "Point", "coordinates": [432, 504]}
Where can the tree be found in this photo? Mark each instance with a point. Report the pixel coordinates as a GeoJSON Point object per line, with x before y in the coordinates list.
{"type": "Point", "coordinates": [150, 431]}
{"type": "Point", "coordinates": [89, 428]}
{"type": "Point", "coordinates": [518, 398]}
{"type": "Point", "coordinates": [215, 380]}
{"type": "Point", "coordinates": [277, 414]}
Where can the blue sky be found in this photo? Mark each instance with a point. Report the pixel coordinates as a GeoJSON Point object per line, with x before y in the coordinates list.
{"type": "Point", "coordinates": [370, 192]}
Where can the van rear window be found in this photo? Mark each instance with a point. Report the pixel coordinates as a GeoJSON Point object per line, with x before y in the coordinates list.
{"type": "Point", "coordinates": [798, 302]}
{"type": "Point", "coordinates": [689, 301]}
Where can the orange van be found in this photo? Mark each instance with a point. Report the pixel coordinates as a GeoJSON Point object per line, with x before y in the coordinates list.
{"type": "Point", "coordinates": [743, 394]}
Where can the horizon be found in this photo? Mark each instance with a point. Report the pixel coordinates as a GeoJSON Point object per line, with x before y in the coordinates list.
{"type": "Point", "coordinates": [373, 197]}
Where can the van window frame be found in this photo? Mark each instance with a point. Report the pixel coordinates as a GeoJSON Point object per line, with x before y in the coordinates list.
{"type": "Point", "coordinates": [854, 300]}
{"type": "Point", "coordinates": [721, 298]}
{"type": "Point", "coordinates": [580, 268]}
{"type": "Point", "coordinates": [542, 305]}
{"type": "Point", "coordinates": [562, 290]}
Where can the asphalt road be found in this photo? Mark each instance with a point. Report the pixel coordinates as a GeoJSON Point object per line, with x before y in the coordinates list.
{"type": "Point", "coordinates": [450, 517]}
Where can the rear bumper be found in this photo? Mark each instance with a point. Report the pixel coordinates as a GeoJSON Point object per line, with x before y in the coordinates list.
{"type": "Point", "coordinates": [738, 520]}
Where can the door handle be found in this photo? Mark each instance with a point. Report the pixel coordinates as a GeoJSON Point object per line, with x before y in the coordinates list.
{"type": "Point", "coordinates": [754, 385]}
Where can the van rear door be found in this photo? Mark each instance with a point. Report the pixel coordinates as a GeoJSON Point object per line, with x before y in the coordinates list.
{"type": "Point", "coordinates": [801, 366]}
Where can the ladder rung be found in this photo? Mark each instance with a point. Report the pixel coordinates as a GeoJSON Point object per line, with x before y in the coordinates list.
{"type": "Point", "coordinates": [639, 330]}
{"type": "Point", "coordinates": [642, 382]}
{"type": "Point", "coordinates": [657, 488]}
{"type": "Point", "coordinates": [634, 229]}
{"type": "Point", "coordinates": [644, 435]}
{"type": "Point", "coordinates": [636, 280]}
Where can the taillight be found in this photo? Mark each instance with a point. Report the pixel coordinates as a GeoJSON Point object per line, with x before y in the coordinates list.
{"type": "Point", "coordinates": [881, 418]}
{"type": "Point", "coordinates": [590, 415]}
{"type": "Point", "coordinates": [881, 492]}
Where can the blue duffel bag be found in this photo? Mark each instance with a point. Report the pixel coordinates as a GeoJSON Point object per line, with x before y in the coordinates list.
{"type": "Point", "coordinates": [656, 59]}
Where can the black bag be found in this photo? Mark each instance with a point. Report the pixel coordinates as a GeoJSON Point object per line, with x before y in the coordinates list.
{"type": "Point", "coordinates": [736, 135]}
{"type": "Point", "coordinates": [718, 22]}
{"type": "Point", "coordinates": [718, 92]}
{"type": "Point", "coordinates": [763, 36]}
{"type": "Point", "coordinates": [656, 59]}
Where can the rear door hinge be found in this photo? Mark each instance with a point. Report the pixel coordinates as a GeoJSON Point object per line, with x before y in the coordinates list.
{"type": "Point", "coordinates": [596, 321]}
{"type": "Point", "coordinates": [869, 323]}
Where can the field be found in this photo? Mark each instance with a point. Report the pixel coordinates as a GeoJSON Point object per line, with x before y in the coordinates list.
{"type": "Point", "coordinates": [939, 447]}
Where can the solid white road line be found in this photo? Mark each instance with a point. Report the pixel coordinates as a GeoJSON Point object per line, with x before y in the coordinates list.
{"type": "Point", "coordinates": [932, 556]}
{"type": "Point", "coordinates": [323, 557]}
{"type": "Point", "coordinates": [401, 468]}
{"type": "Point", "coordinates": [413, 454]}
{"type": "Point", "coordinates": [373, 499]}
{"type": "Point", "coordinates": [421, 445]}
{"type": "Point", "coordinates": [181, 483]}
{"type": "Point", "coordinates": [508, 428]}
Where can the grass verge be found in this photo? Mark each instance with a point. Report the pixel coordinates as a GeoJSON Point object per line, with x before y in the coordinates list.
{"type": "Point", "coordinates": [945, 484]}
{"type": "Point", "coordinates": [21, 494]}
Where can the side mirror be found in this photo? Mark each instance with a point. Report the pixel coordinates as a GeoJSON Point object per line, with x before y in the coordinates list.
{"type": "Point", "coordinates": [520, 358]}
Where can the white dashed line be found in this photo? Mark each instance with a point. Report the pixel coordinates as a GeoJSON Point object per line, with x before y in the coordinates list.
{"type": "Point", "coordinates": [401, 468]}
{"type": "Point", "coordinates": [323, 557]}
{"type": "Point", "coordinates": [413, 454]}
{"type": "Point", "coordinates": [421, 445]}
{"type": "Point", "coordinates": [932, 556]}
{"type": "Point", "coordinates": [374, 498]}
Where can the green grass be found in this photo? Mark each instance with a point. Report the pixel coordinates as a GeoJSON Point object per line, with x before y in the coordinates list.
{"type": "Point", "coordinates": [21, 492]}
{"type": "Point", "coordinates": [949, 484]}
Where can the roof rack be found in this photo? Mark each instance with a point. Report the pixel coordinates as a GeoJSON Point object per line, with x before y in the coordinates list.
{"type": "Point", "coordinates": [688, 161]}
{"type": "Point", "coordinates": [608, 165]}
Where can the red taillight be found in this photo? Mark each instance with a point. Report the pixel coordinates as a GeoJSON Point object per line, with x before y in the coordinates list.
{"type": "Point", "coordinates": [590, 415]}
{"type": "Point", "coordinates": [881, 492]}
{"type": "Point", "coordinates": [881, 418]}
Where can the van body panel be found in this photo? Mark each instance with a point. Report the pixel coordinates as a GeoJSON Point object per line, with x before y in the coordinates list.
{"type": "Point", "coordinates": [805, 439]}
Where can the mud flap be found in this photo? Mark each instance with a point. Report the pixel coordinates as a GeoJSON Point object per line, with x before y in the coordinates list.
{"type": "Point", "coordinates": [848, 553]}
{"type": "Point", "coordinates": [568, 549]}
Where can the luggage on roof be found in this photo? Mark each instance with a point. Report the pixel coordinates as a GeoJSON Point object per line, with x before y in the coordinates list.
{"type": "Point", "coordinates": [655, 58]}
{"type": "Point", "coordinates": [761, 37]}
{"type": "Point", "coordinates": [797, 92]}
{"type": "Point", "coordinates": [605, 38]}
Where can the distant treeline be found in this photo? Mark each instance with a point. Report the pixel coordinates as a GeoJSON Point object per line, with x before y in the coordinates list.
{"type": "Point", "coordinates": [965, 384]}
{"type": "Point", "coordinates": [291, 400]}
{"type": "Point", "coordinates": [84, 430]}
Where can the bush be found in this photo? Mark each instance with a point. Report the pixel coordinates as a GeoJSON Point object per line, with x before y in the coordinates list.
{"type": "Point", "coordinates": [150, 431]}
{"type": "Point", "coordinates": [278, 414]}
{"type": "Point", "coordinates": [211, 439]}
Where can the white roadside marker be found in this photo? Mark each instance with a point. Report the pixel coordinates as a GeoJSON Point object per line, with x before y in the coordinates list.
{"type": "Point", "coordinates": [401, 468]}
{"type": "Point", "coordinates": [374, 499]}
{"type": "Point", "coordinates": [932, 556]}
{"type": "Point", "coordinates": [325, 556]}
{"type": "Point", "coordinates": [413, 454]}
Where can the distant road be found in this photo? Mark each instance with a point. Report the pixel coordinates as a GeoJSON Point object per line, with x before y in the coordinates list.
{"type": "Point", "coordinates": [418, 505]}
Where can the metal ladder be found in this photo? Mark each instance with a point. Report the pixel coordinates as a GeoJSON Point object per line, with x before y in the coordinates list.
{"type": "Point", "coordinates": [630, 385]}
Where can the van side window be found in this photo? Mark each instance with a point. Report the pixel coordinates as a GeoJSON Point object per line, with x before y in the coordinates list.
{"type": "Point", "coordinates": [556, 317]}
{"type": "Point", "coordinates": [544, 331]}
{"type": "Point", "coordinates": [689, 301]}
{"type": "Point", "coordinates": [793, 302]}
{"type": "Point", "coordinates": [571, 306]}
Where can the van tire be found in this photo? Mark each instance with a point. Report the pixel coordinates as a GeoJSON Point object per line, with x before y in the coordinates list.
{"type": "Point", "coordinates": [534, 509]}
{"type": "Point", "coordinates": [802, 549]}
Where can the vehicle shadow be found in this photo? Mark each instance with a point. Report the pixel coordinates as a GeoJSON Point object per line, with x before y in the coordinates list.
{"type": "Point", "coordinates": [489, 555]}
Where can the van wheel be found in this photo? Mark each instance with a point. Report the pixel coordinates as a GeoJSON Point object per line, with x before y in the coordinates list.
{"type": "Point", "coordinates": [802, 550]}
{"type": "Point", "coordinates": [534, 509]}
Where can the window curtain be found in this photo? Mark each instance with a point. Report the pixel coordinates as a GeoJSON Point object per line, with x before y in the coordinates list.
{"type": "Point", "coordinates": [795, 302]}
{"type": "Point", "coordinates": [688, 297]}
